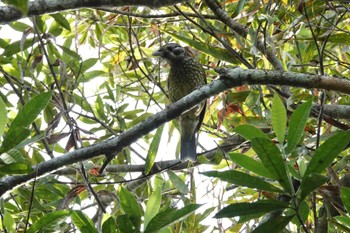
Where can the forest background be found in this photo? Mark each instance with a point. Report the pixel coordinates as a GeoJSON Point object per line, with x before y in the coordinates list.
{"type": "Point", "coordinates": [79, 87]}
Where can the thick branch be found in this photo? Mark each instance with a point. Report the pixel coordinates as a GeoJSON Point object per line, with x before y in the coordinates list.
{"type": "Point", "coordinates": [336, 111]}
{"type": "Point", "coordinates": [39, 7]}
{"type": "Point", "coordinates": [229, 78]}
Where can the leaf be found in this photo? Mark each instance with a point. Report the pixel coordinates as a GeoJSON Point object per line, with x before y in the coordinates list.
{"type": "Point", "coordinates": [273, 225]}
{"type": "Point", "coordinates": [8, 222]}
{"type": "Point", "coordinates": [124, 224]}
{"type": "Point", "coordinates": [18, 131]}
{"type": "Point", "coordinates": [250, 164]}
{"type": "Point", "coordinates": [16, 168]}
{"type": "Point", "coordinates": [3, 116]}
{"type": "Point", "coordinates": [29, 141]}
{"type": "Point", "coordinates": [130, 206]}
{"type": "Point", "coordinates": [303, 212]}
{"type": "Point", "coordinates": [87, 64]}
{"type": "Point", "coordinates": [15, 47]}
{"type": "Point", "coordinates": [19, 26]}
{"type": "Point", "coordinates": [242, 179]}
{"type": "Point", "coordinates": [326, 153]}
{"type": "Point", "coordinates": [73, 55]}
{"type": "Point", "coordinates": [279, 118]}
{"type": "Point", "coordinates": [345, 197]}
{"type": "Point", "coordinates": [249, 132]}
{"type": "Point", "coordinates": [82, 222]}
{"type": "Point", "coordinates": [219, 53]}
{"type": "Point", "coordinates": [272, 159]}
{"type": "Point", "coordinates": [153, 205]}
{"type": "Point", "coordinates": [153, 149]}
{"type": "Point", "coordinates": [310, 183]}
{"type": "Point", "coordinates": [238, 8]}
{"type": "Point", "coordinates": [297, 124]}
{"type": "Point", "coordinates": [242, 209]}
{"type": "Point", "coordinates": [342, 222]}
{"type": "Point", "coordinates": [49, 219]}
{"type": "Point", "coordinates": [169, 216]}
{"type": "Point", "coordinates": [88, 76]}
{"type": "Point", "coordinates": [61, 20]}
{"type": "Point", "coordinates": [109, 226]}
{"type": "Point", "coordinates": [178, 183]}
{"type": "Point", "coordinates": [339, 38]}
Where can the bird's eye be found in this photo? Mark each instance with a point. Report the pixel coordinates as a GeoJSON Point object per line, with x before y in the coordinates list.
{"type": "Point", "coordinates": [177, 52]}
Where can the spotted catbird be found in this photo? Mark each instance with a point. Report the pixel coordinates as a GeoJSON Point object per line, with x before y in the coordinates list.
{"type": "Point", "coordinates": [185, 76]}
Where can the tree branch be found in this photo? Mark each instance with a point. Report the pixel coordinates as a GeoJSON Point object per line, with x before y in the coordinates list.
{"type": "Point", "coordinates": [243, 31]}
{"type": "Point", "coordinates": [229, 78]}
{"type": "Point", "coordinates": [39, 7]}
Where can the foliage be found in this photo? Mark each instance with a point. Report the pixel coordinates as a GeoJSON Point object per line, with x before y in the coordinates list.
{"type": "Point", "coordinates": [76, 78]}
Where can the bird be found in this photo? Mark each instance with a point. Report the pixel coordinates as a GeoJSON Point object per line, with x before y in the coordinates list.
{"type": "Point", "coordinates": [186, 75]}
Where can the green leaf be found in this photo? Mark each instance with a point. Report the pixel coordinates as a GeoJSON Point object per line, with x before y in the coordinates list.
{"type": "Point", "coordinates": [219, 53]}
{"type": "Point", "coordinates": [49, 219]}
{"type": "Point", "coordinates": [342, 222]}
{"type": "Point", "coordinates": [18, 131]}
{"type": "Point", "coordinates": [326, 153]}
{"type": "Point", "coordinates": [55, 29]}
{"type": "Point", "coordinates": [238, 8]}
{"type": "Point", "coordinates": [82, 222]}
{"type": "Point", "coordinates": [19, 26]}
{"type": "Point", "coordinates": [15, 47]}
{"type": "Point", "coordinates": [273, 225]}
{"type": "Point", "coordinates": [124, 224]}
{"type": "Point", "coordinates": [88, 76]}
{"type": "Point", "coordinates": [153, 205]}
{"type": "Point", "coordinates": [279, 118]}
{"type": "Point", "coordinates": [73, 55]}
{"type": "Point", "coordinates": [17, 134]}
{"type": "Point", "coordinates": [61, 20]}
{"type": "Point", "coordinates": [249, 132]}
{"type": "Point", "coordinates": [297, 124]}
{"type": "Point", "coordinates": [9, 223]}
{"type": "Point", "coordinates": [29, 141]}
{"type": "Point", "coordinates": [242, 209]}
{"type": "Point", "coordinates": [345, 197]}
{"type": "Point", "coordinates": [169, 217]}
{"type": "Point", "coordinates": [303, 212]}
{"type": "Point", "coordinates": [130, 206]}
{"type": "Point", "coordinates": [250, 164]}
{"type": "Point", "coordinates": [3, 116]}
{"type": "Point", "coordinates": [242, 179]}
{"type": "Point", "coordinates": [100, 108]}
{"type": "Point", "coordinates": [153, 149]}
{"type": "Point", "coordinates": [109, 226]}
{"type": "Point", "coordinates": [339, 38]}
{"type": "Point", "coordinates": [14, 155]}
{"type": "Point", "coordinates": [32, 109]}
{"type": "Point", "coordinates": [311, 182]}
{"type": "Point", "coordinates": [272, 159]}
{"type": "Point", "coordinates": [87, 64]}
{"type": "Point", "coordinates": [16, 168]}
{"type": "Point", "coordinates": [178, 183]}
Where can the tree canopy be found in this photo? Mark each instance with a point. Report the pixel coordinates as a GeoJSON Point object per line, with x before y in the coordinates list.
{"type": "Point", "coordinates": [88, 140]}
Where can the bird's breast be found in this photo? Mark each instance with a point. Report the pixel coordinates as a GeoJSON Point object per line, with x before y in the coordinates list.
{"type": "Point", "coordinates": [184, 79]}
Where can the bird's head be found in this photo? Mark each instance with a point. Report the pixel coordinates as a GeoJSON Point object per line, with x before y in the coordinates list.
{"type": "Point", "coordinates": [172, 53]}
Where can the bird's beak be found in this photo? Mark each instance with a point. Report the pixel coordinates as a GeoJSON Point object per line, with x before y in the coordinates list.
{"type": "Point", "coordinates": [158, 53]}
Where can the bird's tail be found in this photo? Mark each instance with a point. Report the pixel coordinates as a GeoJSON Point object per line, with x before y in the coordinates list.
{"type": "Point", "coordinates": [188, 148]}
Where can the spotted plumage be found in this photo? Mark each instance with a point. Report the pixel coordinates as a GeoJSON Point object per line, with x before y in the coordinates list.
{"type": "Point", "coordinates": [185, 76]}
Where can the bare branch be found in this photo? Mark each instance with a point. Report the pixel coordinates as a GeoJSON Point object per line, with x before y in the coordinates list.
{"type": "Point", "coordinates": [39, 7]}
